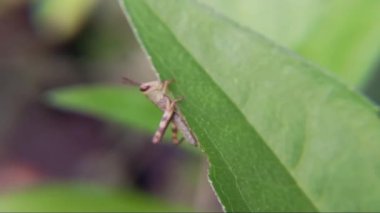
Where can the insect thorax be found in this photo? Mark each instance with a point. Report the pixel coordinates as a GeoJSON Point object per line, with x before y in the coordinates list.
{"type": "Point", "coordinates": [160, 99]}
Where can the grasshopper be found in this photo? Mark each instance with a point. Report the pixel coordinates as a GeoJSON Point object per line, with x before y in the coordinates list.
{"type": "Point", "coordinates": [156, 91]}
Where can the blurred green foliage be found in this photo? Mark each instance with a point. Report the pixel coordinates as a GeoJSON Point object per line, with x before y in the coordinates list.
{"type": "Point", "coordinates": [340, 35]}
{"type": "Point", "coordinates": [80, 197]}
{"type": "Point", "coordinates": [61, 20]}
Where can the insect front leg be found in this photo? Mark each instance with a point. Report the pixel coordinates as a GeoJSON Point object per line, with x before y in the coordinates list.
{"type": "Point", "coordinates": [165, 85]}
{"type": "Point", "coordinates": [165, 120]}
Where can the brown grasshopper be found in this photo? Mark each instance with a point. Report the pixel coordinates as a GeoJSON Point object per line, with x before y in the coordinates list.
{"type": "Point", "coordinates": [156, 91]}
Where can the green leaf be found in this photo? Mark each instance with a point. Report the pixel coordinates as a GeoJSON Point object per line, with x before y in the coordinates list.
{"type": "Point", "coordinates": [80, 198]}
{"type": "Point", "coordinates": [114, 103]}
{"type": "Point", "coordinates": [336, 34]}
{"type": "Point", "coordinates": [280, 134]}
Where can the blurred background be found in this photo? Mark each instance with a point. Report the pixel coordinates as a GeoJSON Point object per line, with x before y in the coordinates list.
{"type": "Point", "coordinates": [51, 156]}
{"type": "Point", "coordinates": [74, 138]}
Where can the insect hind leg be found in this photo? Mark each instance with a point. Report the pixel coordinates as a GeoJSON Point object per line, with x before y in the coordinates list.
{"type": "Point", "coordinates": [175, 134]}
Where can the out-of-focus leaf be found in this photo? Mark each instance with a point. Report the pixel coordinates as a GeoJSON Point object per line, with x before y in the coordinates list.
{"type": "Point", "coordinates": [280, 134]}
{"type": "Point", "coordinates": [81, 198]}
{"type": "Point", "coordinates": [114, 103]}
{"type": "Point", "coordinates": [341, 35]}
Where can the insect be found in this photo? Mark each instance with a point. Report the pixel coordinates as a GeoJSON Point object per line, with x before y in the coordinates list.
{"type": "Point", "coordinates": [156, 91]}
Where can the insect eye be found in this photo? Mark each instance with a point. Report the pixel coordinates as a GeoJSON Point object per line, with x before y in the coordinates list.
{"type": "Point", "coordinates": [144, 88]}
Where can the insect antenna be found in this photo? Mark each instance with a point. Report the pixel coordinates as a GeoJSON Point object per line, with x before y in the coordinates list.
{"type": "Point", "coordinates": [130, 81]}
